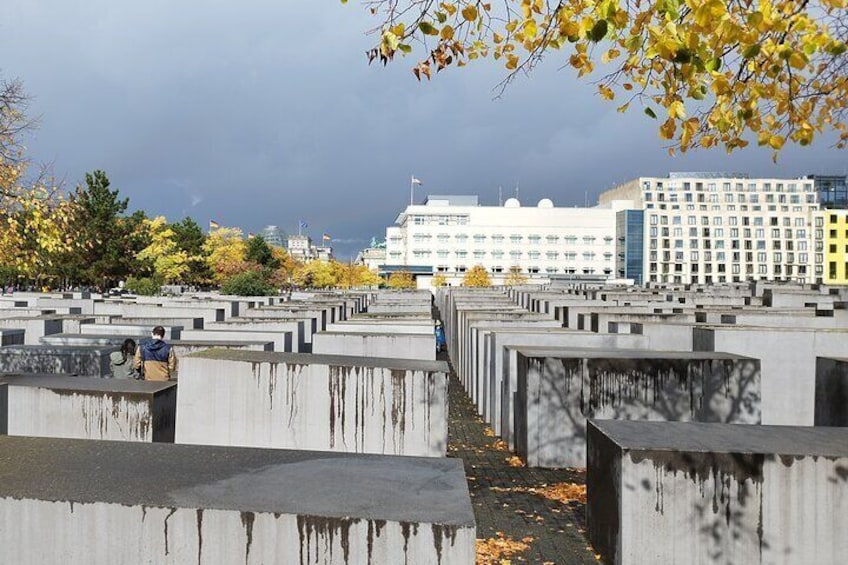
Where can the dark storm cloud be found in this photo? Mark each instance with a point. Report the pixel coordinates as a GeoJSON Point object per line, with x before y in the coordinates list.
{"type": "Point", "coordinates": [266, 112]}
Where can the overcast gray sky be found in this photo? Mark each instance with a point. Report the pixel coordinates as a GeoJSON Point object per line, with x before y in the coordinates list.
{"type": "Point", "coordinates": [266, 112]}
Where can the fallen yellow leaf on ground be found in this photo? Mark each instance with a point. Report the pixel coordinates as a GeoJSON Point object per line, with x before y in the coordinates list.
{"type": "Point", "coordinates": [498, 550]}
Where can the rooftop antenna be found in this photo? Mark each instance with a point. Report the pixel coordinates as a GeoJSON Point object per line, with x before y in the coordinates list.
{"type": "Point", "coordinates": [500, 196]}
{"type": "Point", "coordinates": [586, 199]}
{"type": "Point", "coordinates": [516, 190]}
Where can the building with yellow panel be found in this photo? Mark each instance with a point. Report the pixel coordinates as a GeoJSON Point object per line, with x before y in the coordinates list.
{"type": "Point", "coordinates": [834, 225]}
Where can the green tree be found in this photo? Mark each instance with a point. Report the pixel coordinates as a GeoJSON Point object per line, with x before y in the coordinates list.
{"type": "Point", "coordinates": [258, 251]}
{"type": "Point", "coordinates": [477, 276]}
{"type": "Point", "coordinates": [189, 237]}
{"type": "Point", "coordinates": [251, 283]}
{"type": "Point", "coordinates": [718, 69]}
{"type": "Point", "coordinates": [110, 240]}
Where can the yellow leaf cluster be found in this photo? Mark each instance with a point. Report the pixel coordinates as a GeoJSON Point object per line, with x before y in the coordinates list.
{"type": "Point", "coordinates": [769, 69]}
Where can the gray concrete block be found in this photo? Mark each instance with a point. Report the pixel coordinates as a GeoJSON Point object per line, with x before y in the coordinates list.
{"type": "Point", "coordinates": [384, 344]}
{"type": "Point", "coordinates": [559, 390]}
{"type": "Point", "coordinates": [91, 408]}
{"type": "Point", "coordinates": [831, 392]}
{"type": "Point", "coordinates": [60, 359]}
{"type": "Point", "coordinates": [177, 504]}
{"type": "Point", "coordinates": [670, 493]}
{"type": "Point", "coordinates": [304, 401]}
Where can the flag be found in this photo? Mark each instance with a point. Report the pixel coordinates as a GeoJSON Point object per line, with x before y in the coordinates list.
{"type": "Point", "coordinates": [303, 225]}
{"type": "Point", "coordinates": [416, 181]}
{"type": "Point", "coordinates": [327, 237]}
{"type": "Point", "coordinates": [213, 225]}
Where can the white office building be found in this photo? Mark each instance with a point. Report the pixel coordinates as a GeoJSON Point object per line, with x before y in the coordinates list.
{"type": "Point", "coordinates": [451, 234]}
{"type": "Point", "coordinates": [716, 227]}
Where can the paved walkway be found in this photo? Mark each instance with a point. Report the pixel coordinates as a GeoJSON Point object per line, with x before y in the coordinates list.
{"type": "Point", "coordinates": [504, 506]}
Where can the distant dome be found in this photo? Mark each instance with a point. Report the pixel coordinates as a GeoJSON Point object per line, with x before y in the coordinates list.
{"type": "Point", "coordinates": [545, 203]}
{"type": "Point", "coordinates": [512, 203]}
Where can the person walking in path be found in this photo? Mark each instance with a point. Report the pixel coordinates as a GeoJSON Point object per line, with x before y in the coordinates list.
{"type": "Point", "coordinates": [121, 363]}
{"type": "Point", "coordinates": [156, 360]}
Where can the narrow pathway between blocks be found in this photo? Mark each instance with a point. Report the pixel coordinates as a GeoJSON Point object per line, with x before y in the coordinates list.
{"type": "Point", "coordinates": [523, 515]}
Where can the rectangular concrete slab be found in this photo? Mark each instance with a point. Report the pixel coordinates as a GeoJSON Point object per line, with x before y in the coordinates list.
{"type": "Point", "coordinates": [321, 402]}
{"type": "Point", "coordinates": [677, 492]}
{"type": "Point", "coordinates": [177, 504]}
{"type": "Point", "coordinates": [559, 389]}
{"type": "Point", "coordinates": [91, 408]}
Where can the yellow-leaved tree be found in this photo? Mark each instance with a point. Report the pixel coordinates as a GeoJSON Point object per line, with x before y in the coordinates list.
{"type": "Point", "coordinates": [169, 261]}
{"type": "Point", "coordinates": [225, 253]}
{"type": "Point", "coordinates": [401, 280]}
{"type": "Point", "coordinates": [710, 71]}
{"type": "Point", "coordinates": [439, 280]}
{"type": "Point", "coordinates": [477, 276]}
{"type": "Point", "coordinates": [34, 227]}
{"type": "Point", "coordinates": [315, 274]}
{"type": "Point", "coordinates": [515, 277]}
{"type": "Point", "coordinates": [34, 215]}
{"type": "Point", "coordinates": [349, 275]}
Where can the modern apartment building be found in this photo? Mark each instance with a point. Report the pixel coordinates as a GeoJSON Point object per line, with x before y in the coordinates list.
{"type": "Point", "coordinates": [451, 234]}
{"type": "Point", "coordinates": [716, 227]}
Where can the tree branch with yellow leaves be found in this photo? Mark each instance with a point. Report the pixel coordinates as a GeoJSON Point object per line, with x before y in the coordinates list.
{"type": "Point", "coordinates": [711, 72]}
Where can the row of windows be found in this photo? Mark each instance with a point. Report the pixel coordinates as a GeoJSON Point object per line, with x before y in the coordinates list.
{"type": "Point", "coordinates": [746, 244]}
{"type": "Point", "coordinates": [671, 186]}
{"type": "Point", "coordinates": [530, 270]}
{"type": "Point", "coordinates": [731, 198]}
{"type": "Point", "coordinates": [762, 256]}
{"type": "Point", "coordinates": [731, 221]}
{"type": "Point", "coordinates": [735, 269]}
{"type": "Point", "coordinates": [787, 233]}
{"type": "Point", "coordinates": [514, 238]}
{"type": "Point", "coordinates": [515, 254]}
{"type": "Point", "coordinates": [729, 207]}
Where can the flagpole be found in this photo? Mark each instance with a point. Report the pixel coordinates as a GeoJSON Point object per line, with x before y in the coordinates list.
{"type": "Point", "coordinates": [411, 187]}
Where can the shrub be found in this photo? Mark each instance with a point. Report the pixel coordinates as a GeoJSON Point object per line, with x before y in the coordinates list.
{"type": "Point", "coordinates": [251, 283]}
{"type": "Point", "coordinates": [144, 286]}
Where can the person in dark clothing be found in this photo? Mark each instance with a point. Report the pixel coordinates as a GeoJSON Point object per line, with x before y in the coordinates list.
{"type": "Point", "coordinates": [156, 360]}
{"type": "Point", "coordinates": [121, 362]}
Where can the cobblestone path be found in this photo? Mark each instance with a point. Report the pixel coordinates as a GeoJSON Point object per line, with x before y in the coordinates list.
{"type": "Point", "coordinates": [501, 497]}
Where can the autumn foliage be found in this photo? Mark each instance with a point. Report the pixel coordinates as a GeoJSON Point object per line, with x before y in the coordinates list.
{"type": "Point", "coordinates": [711, 72]}
{"type": "Point", "coordinates": [477, 276]}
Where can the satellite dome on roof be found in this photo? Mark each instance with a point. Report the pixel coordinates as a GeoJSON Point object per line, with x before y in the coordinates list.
{"type": "Point", "coordinates": [512, 203]}
{"type": "Point", "coordinates": [545, 203]}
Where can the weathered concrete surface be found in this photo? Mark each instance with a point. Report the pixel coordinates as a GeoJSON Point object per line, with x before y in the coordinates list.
{"type": "Point", "coordinates": [381, 345]}
{"type": "Point", "coordinates": [321, 402]}
{"type": "Point", "coordinates": [298, 329]}
{"type": "Point", "coordinates": [73, 360]}
{"type": "Point", "coordinates": [670, 493]}
{"type": "Point", "coordinates": [560, 389]}
{"type": "Point", "coordinates": [130, 330]}
{"type": "Point", "coordinates": [503, 364]}
{"type": "Point", "coordinates": [212, 505]}
{"type": "Point", "coordinates": [831, 392]}
{"type": "Point", "coordinates": [283, 341]}
{"type": "Point", "coordinates": [788, 359]}
{"type": "Point", "coordinates": [91, 408]}
{"type": "Point", "coordinates": [34, 326]}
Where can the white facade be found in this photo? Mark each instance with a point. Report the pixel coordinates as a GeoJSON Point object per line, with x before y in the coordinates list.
{"type": "Point", "coordinates": [541, 240]}
{"type": "Point", "coordinates": [710, 228]}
